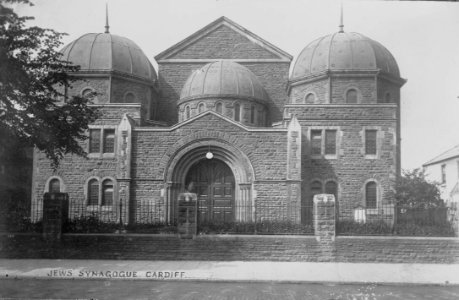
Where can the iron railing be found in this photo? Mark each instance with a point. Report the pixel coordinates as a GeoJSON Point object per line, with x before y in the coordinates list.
{"type": "Point", "coordinates": [261, 218]}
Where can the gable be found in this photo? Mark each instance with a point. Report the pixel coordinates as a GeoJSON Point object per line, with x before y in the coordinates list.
{"type": "Point", "coordinates": [223, 39]}
{"type": "Point", "coordinates": [224, 43]}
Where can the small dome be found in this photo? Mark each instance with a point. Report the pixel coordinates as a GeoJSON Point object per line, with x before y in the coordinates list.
{"type": "Point", "coordinates": [341, 51]}
{"type": "Point", "coordinates": [101, 52]}
{"type": "Point", "coordinates": [223, 79]}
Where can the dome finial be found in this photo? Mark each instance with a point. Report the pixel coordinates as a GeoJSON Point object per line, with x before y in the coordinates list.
{"type": "Point", "coordinates": [106, 19]}
{"type": "Point", "coordinates": [341, 25]}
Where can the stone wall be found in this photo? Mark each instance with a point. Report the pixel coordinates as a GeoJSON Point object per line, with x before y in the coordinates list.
{"type": "Point", "coordinates": [234, 248]}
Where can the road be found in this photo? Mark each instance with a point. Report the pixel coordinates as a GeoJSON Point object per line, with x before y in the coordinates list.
{"type": "Point", "coordinates": [170, 290]}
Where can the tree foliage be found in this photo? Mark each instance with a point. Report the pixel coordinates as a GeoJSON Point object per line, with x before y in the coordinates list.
{"type": "Point", "coordinates": [34, 106]}
{"type": "Point", "coordinates": [414, 190]}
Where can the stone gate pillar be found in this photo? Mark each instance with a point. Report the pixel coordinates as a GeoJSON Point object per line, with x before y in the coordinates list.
{"type": "Point", "coordinates": [324, 218]}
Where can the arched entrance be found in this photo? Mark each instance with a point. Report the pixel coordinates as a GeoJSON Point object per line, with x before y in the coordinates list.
{"type": "Point", "coordinates": [214, 185]}
{"type": "Point", "coordinates": [182, 161]}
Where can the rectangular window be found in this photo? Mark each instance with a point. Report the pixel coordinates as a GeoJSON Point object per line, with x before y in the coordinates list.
{"type": "Point", "coordinates": [109, 141]}
{"type": "Point", "coordinates": [371, 196]}
{"type": "Point", "coordinates": [370, 142]}
{"type": "Point", "coordinates": [316, 142]}
{"type": "Point", "coordinates": [94, 140]}
{"type": "Point", "coordinates": [107, 198]}
{"type": "Point", "coordinates": [93, 193]}
{"type": "Point", "coordinates": [330, 141]}
{"type": "Point", "coordinates": [443, 174]}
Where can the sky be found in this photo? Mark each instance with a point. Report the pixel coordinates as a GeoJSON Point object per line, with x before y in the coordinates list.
{"type": "Point", "coordinates": [422, 36]}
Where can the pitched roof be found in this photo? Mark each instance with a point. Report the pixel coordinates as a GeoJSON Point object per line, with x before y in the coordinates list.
{"type": "Point", "coordinates": [213, 26]}
{"type": "Point", "coordinates": [451, 153]}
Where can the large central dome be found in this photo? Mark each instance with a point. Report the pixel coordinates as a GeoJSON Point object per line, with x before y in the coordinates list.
{"type": "Point", "coordinates": [344, 51]}
{"type": "Point", "coordinates": [102, 52]}
{"type": "Point", "coordinates": [223, 79]}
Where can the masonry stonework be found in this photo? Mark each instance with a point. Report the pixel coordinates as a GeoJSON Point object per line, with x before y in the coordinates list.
{"type": "Point", "coordinates": [223, 113]}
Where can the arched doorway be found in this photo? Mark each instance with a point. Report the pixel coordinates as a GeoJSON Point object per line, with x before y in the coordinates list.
{"type": "Point", "coordinates": [214, 184]}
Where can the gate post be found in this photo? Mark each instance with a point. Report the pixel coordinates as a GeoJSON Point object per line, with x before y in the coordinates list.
{"type": "Point", "coordinates": [324, 217]}
{"type": "Point", "coordinates": [55, 213]}
{"type": "Point", "coordinates": [325, 226]}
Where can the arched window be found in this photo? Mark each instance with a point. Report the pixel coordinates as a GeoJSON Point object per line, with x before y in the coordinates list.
{"type": "Point", "coordinates": [219, 108]}
{"type": "Point", "coordinates": [187, 113]}
{"type": "Point", "coordinates": [252, 114]}
{"type": "Point", "coordinates": [237, 112]}
{"type": "Point", "coordinates": [201, 107]}
{"type": "Point", "coordinates": [351, 96]}
{"type": "Point", "coordinates": [54, 186]}
{"type": "Point", "coordinates": [310, 98]}
{"type": "Point", "coordinates": [316, 188]}
{"type": "Point", "coordinates": [129, 98]}
{"type": "Point", "coordinates": [387, 98]}
{"type": "Point", "coordinates": [332, 188]}
{"type": "Point", "coordinates": [370, 194]}
{"type": "Point", "coordinates": [107, 192]}
{"type": "Point", "coordinates": [86, 92]}
{"type": "Point", "coordinates": [93, 192]}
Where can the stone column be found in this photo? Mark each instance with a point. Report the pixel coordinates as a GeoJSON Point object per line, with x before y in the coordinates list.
{"type": "Point", "coordinates": [324, 217]}
{"type": "Point", "coordinates": [294, 171]}
{"type": "Point", "coordinates": [123, 169]}
{"type": "Point", "coordinates": [324, 226]}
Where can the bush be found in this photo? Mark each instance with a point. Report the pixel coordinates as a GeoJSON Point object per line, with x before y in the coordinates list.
{"type": "Point", "coordinates": [371, 228]}
{"type": "Point", "coordinates": [89, 224]}
{"type": "Point", "coordinates": [413, 229]}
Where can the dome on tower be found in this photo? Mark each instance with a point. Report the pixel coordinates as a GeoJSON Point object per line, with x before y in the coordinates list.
{"type": "Point", "coordinates": [223, 79]}
{"type": "Point", "coordinates": [344, 51]}
{"type": "Point", "coordinates": [105, 52]}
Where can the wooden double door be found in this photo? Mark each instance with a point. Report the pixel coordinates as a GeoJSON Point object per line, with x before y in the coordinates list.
{"type": "Point", "coordinates": [213, 183]}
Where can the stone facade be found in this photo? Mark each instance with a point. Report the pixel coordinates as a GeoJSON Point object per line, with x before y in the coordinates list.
{"type": "Point", "coordinates": [284, 141]}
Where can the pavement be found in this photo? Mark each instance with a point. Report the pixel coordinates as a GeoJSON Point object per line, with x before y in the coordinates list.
{"type": "Point", "coordinates": [232, 271]}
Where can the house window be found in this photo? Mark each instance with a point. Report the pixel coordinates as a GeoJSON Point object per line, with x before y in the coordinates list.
{"type": "Point", "coordinates": [94, 140]}
{"type": "Point", "coordinates": [351, 96]}
{"type": "Point", "coordinates": [316, 142]}
{"type": "Point", "coordinates": [55, 186]}
{"type": "Point", "coordinates": [387, 98]}
{"type": "Point", "coordinates": [310, 98]}
{"type": "Point", "coordinates": [370, 142]}
{"type": "Point", "coordinates": [187, 112]}
{"type": "Point", "coordinates": [93, 192]}
{"type": "Point", "coordinates": [106, 145]}
{"type": "Point", "coordinates": [107, 192]}
{"type": "Point", "coordinates": [328, 147]}
{"type": "Point", "coordinates": [237, 112]}
{"type": "Point", "coordinates": [316, 188]}
{"type": "Point", "coordinates": [201, 107]}
{"type": "Point", "coordinates": [252, 114]}
{"type": "Point", "coordinates": [109, 141]}
{"type": "Point", "coordinates": [219, 108]}
{"type": "Point", "coordinates": [129, 98]}
{"type": "Point", "coordinates": [330, 141]}
{"type": "Point", "coordinates": [370, 195]}
{"type": "Point", "coordinates": [443, 174]}
{"type": "Point", "coordinates": [332, 188]}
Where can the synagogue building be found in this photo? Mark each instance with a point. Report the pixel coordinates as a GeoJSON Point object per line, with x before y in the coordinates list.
{"type": "Point", "coordinates": [257, 135]}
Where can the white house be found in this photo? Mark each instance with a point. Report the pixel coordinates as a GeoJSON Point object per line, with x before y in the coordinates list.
{"type": "Point", "coordinates": [444, 169]}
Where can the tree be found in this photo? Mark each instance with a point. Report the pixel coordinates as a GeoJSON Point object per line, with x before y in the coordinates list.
{"type": "Point", "coordinates": [34, 106]}
{"type": "Point", "coordinates": [412, 189]}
